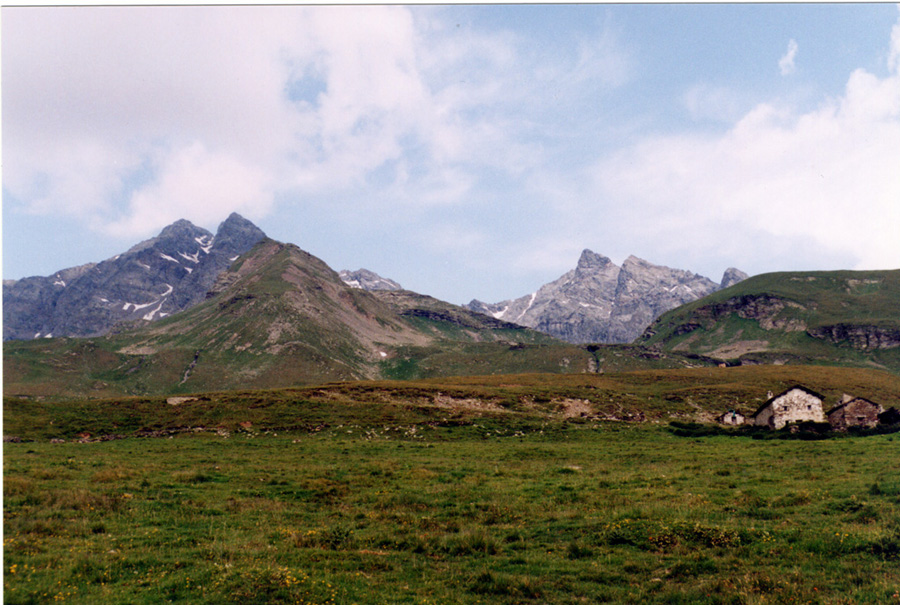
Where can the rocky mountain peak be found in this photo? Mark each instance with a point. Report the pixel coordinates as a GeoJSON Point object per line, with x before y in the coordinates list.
{"type": "Point", "coordinates": [237, 232]}
{"type": "Point", "coordinates": [180, 231]}
{"type": "Point", "coordinates": [155, 278]}
{"type": "Point", "coordinates": [599, 301]}
{"type": "Point", "coordinates": [368, 280]}
{"type": "Point", "coordinates": [180, 228]}
{"type": "Point", "coordinates": [732, 276]}
{"type": "Point", "coordinates": [590, 261]}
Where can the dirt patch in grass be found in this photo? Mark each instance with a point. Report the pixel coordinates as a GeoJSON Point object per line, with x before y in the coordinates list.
{"type": "Point", "coordinates": [471, 403]}
{"type": "Point", "coordinates": [736, 349]}
{"type": "Point", "coordinates": [574, 408]}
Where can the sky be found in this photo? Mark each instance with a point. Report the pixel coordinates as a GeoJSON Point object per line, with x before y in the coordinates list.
{"type": "Point", "coordinates": [465, 151]}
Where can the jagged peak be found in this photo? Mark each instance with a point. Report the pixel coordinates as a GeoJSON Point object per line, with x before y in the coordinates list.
{"type": "Point", "coordinates": [732, 276]}
{"type": "Point", "coordinates": [633, 260]}
{"type": "Point", "coordinates": [238, 229]}
{"type": "Point", "coordinates": [633, 263]}
{"type": "Point", "coordinates": [592, 260]}
{"type": "Point", "coordinates": [179, 227]}
{"type": "Point", "coordinates": [235, 220]}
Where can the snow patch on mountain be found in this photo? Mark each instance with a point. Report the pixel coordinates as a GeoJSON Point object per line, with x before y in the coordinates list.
{"type": "Point", "coordinates": [530, 304]}
{"type": "Point", "coordinates": [363, 279]}
{"type": "Point", "coordinates": [91, 299]}
{"type": "Point", "coordinates": [149, 316]}
{"type": "Point", "coordinates": [194, 258]}
{"type": "Point", "coordinates": [205, 242]}
{"type": "Point", "coordinates": [137, 307]}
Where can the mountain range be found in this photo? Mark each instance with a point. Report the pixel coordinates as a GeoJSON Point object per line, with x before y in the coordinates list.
{"type": "Point", "coordinates": [277, 316]}
{"type": "Point", "coordinates": [600, 302]}
{"type": "Point", "coordinates": [156, 278]}
{"type": "Point", "coordinates": [187, 311]}
{"type": "Point", "coordinates": [597, 302]}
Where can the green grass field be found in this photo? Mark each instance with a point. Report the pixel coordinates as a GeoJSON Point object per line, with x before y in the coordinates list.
{"type": "Point", "coordinates": [488, 508]}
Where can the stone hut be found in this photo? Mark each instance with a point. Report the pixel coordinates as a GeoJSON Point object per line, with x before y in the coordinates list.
{"type": "Point", "coordinates": [731, 418]}
{"type": "Point", "coordinates": [854, 411]}
{"type": "Point", "coordinates": [889, 416]}
{"type": "Point", "coordinates": [797, 404]}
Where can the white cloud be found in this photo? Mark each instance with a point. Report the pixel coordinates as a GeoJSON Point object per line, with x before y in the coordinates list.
{"type": "Point", "coordinates": [134, 117]}
{"type": "Point", "coordinates": [825, 180]}
{"type": "Point", "coordinates": [707, 102]}
{"type": "Point", "coordinates": [92, 95]}
{"type": "Point", "coordinates": [786, 63]}
{"type": "Point", "coordinates": [273, 99]}
{"type": "Point", "coordinates": [198, 185]}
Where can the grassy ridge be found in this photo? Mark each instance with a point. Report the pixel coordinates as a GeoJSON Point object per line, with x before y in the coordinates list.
{"type": "Point", "coordinates": [832, 296]}
{"type": "Point", "coordinates": [97, 368]}
{"type": "Point", "coordinates": [784, 317]}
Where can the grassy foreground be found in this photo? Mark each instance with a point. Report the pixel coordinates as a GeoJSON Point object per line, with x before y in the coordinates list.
{"type": "Point", "coordinates": [487, 511]}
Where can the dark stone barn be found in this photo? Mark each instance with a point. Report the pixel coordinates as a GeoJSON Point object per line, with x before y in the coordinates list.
{"type": "Point", "coordinates": [854, 412]}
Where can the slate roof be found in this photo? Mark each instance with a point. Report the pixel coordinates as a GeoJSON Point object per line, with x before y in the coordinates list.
{"type": "Point", "coordinates": [846, 403]}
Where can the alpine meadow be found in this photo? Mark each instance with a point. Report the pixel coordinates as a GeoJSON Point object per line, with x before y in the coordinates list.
{"type": "Point", "coordinates": [386, 447]}
{"type": "Point", "coordinates": [238, 361]}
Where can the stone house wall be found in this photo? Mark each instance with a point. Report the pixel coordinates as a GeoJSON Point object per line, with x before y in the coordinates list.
{"type": "Point", "coordinates": [794, 405]}
{"type": "Point", "coordinates": [856, 412]}
{"type": "Point", "coordinates": [731, 418]}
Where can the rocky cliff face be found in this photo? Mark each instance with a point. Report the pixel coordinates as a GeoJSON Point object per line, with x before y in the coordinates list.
{"type": "Point", "coordinates": [862, 337]}
{"type": "Point", "coordinates": [600, 302]}
{"type": "Point", "coordinates": [158, 277]}
{"type": "Point", "coordinates": [767, 310]}
{"type": "Point", "coordinates": [368, 281]}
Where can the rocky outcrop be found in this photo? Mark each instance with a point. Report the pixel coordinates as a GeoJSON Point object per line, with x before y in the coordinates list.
{"type": "Point", "coordinates": [863, 337]}
{"type": "Point", "coordinates": [160, 276]}
{"type": "Point", "coordinates": [368, 280]}
{"type": "Point", "coordinates": [765, 309]}
{"type": "Point", "coordinates": [601, 302]}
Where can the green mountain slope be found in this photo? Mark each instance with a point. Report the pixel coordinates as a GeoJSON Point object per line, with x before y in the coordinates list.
{"type": "Point", "coordinates": [279, 316]}
{"type": "Point", "coordinates": [832, 317]}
